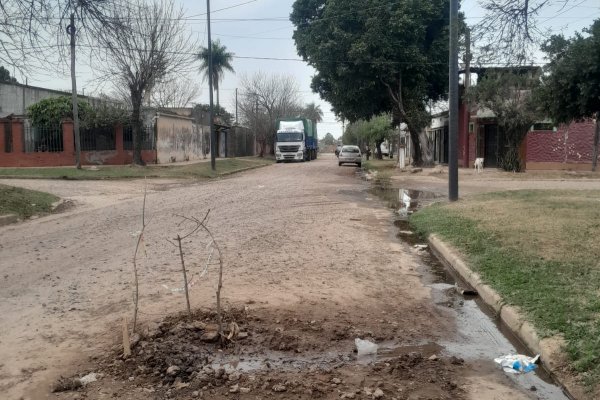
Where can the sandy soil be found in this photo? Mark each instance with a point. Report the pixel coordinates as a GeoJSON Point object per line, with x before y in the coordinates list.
{"type": "Point", "coordinates": [309, 266]}
{"type": "Point", "coordinates": [491, 180]}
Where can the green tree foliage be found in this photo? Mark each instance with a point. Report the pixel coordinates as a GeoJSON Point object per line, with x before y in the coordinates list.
{"type": "Point", "coordinates": [5, 76]}
{"type": "Point", "coordinates": [508, 94]}
{"type": "Point", "coordinates": [221, 62]}
{"type": "Point", "coordinates": [50, 112]}
{"type": "Point", "coordinates": [328, 140]}
{"type": "Point", "coordinates": [313, 112]}
{"type": "Point", "coordinates": [367, 133]}
{"type": "Point", "coordinates": [570, 88]}
{"type": "Point", "coordinates": [377, 56]}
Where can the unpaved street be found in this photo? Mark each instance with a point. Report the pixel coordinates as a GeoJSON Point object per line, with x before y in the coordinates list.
{"type": "Point", "coordinates": [306, 252]}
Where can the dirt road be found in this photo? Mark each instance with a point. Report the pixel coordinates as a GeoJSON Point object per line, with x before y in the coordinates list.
{"type": "Point", "coordinates": [309, 258]}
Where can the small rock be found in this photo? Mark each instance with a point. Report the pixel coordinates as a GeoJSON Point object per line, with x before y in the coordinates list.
{"type": "Point", "coordinates": [350, 395]}
{"type": "Point", "coordinates": [337, 381]}
{"type": "Point", "coordinates": [456, 360]}
{"type": "Point", "coordinates": [244, 390]}
{"type": "Point", "coordinates": [242, 335]}
{"type": "Point", "coordinates": [234, 389]}
{"type": "Point", "coordinates": [209, 336]}
{"type": "Point", "coordinates": [378, 393]}
{"type": "Point", "coordinates": [234, 376]}
{"type": "Point", "coordinates": [195, 393]}
{"type": "Point", "coordinates": [433, 357]}
{"type": "Point", "coordinates": [279, 388]}
{"type": "Point", "coordinates": [533, 388]}
{"type": "Point", "coordinates": [181, 385]}
{"type": "Point", "coordinates": [173, 370]}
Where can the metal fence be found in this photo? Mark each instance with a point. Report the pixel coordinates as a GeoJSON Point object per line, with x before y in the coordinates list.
{"type": "Point", "coordinates": [240, 142]}
{"type": "Point", "coordinates": [42, 139]}
{"type": "Point", "coordinates": [148, 137]}
{"type": "Point", "coordinates": [98, 138]}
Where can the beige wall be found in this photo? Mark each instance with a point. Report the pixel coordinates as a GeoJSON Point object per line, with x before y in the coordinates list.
{"type": "Point", "coordinates": [178, 139]}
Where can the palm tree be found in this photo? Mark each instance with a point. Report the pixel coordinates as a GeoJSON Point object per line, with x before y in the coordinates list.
{"type": "Point", "coordinates": [313, 112]}
{"type": "Point", "coordinates": [221, 60]}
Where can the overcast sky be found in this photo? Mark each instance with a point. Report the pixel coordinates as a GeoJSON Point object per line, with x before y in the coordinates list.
{"type": "Point", "coordinates": [273, 38]}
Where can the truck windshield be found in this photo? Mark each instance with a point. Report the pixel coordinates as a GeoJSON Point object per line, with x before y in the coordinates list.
{"type": "Point", "coordinates": [290, 136]}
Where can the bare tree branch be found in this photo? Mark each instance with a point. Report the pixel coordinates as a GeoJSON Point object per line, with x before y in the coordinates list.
{"type": "Point", "coordinates": [153, 47]}
{"type": "Point", "coordinates": [509, 32]}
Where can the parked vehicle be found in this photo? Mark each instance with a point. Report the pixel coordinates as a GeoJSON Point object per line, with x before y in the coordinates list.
{"type": "Point", "coordinates": [385, 152]}
{"type": "Point", "coordinates": [296, 140]}
{"type": "Point", "coordinates": [350, 154]}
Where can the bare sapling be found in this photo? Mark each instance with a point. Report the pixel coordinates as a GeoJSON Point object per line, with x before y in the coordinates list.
{"type": "Point", "coordinates": [201, 225]}
{"type": "Point", "coordinates": [185, 281]}
{"type": "Point", "coordinates": [136, 293]}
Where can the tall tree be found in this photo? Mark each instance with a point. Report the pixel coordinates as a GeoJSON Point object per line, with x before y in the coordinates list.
{"type": "Point", "coordinates": [570, 88]}
{"type": "Point", "coordinates": [377, 56]}
{"type": "Point", "coordinates": [328, 140]}
{"type": "Point", "coordinates": [508, 94]}
{"type": "Point", "coordinates": [265, 99]}
{"type": "Point", "coordinates": [174, 93]}
{"type": "Point", "coordinates": [313, 112]}
{"type": "Point", "coordinates": [510, 32]}
{"type": "Point", "coordinates": [221, 62]}
{"type": "Point", "coordinates": [153, 46]}
{"type": "Point", "coordinates": [30, 30]}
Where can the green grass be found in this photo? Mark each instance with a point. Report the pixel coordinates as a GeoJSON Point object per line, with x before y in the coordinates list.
{"type": "Point", "coordinates": [540, 250]}
{"type": "Point", "coordinates": [24, 203]}
{"type": "Point", "coordinates": [380, 165]}
{"type": "Point", "coordinates": [200, 170]}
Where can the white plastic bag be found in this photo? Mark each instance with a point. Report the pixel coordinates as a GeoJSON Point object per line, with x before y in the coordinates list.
{"type": "Point", "coordinates": [364, 347]}
{"type": "Point", "coordinates": [517, 363]}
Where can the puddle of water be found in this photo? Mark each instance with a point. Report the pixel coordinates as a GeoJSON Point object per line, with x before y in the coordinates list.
{"type": "Point", "coordinates": [403, 201]}
{"type": "Point", "coordinates": [480, 335]}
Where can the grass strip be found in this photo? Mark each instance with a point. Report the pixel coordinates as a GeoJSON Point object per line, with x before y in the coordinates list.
{"type": "Point", "coordinates": [540, 250]}
{"type": "Point", "coordinates": [201, 170]}
{"type": "Point", "coordinates": [24, 203]}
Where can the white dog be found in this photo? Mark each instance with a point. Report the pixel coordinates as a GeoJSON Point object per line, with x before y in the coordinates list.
{"type": "Point", "coordinates": [478, 164]}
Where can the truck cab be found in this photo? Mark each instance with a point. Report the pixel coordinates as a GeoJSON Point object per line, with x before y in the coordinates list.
{"type": "Point", "coordinates": [295, 140]}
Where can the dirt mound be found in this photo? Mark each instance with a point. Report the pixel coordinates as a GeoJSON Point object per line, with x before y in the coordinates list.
{"type": "Point", "coordinates": [282, 356]}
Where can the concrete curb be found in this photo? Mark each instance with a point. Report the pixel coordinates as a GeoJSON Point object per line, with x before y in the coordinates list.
{"type": "Point", "coordinates": [551, 350]}
{"type": "Point", "coordinates": [8, 219]}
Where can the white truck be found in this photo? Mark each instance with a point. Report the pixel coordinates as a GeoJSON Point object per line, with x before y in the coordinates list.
{"type": "Point", "coordinates": [296, 140]}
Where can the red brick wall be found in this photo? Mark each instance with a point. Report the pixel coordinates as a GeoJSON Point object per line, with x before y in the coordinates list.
{"type": "Point", "coordinates": [570, 144]}
{"type": "Point", "coordinates": [17, 158]}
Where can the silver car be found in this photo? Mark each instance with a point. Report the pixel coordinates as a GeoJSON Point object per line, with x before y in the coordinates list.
{"type": "Point", "coordinates": [350, 154]}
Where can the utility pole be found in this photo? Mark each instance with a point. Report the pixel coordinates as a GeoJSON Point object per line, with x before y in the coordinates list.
{"type": "Point", "coordinates": [453, 103]}
{"type": "Point", "coordinates": [213, 135]}
{"type": "Point", "coordinates": [236, 107]}
{"type": "Point", "coordinates": [71, 31]}
{"type": "Point", "coordinates": [467, 106]}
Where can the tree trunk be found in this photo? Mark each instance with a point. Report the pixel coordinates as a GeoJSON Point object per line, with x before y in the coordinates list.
{"type": "Point", "coordinates": [136, 122]}
{"type": "Point", "coordinates": [596, 142]}
{"type": "Point", "coordinates": [378, 147]}
{"type": "Point", "coordinates": [426, 150]}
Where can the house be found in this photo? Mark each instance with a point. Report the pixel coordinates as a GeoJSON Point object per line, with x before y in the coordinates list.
{"type": "Point", "coordinates": [545, 147]}
{"type": "Point", "coordinates": [168, 135]}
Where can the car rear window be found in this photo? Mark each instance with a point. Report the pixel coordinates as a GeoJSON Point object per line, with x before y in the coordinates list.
{"type": "Point", "coordinates": [350, 149]}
